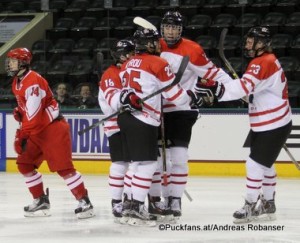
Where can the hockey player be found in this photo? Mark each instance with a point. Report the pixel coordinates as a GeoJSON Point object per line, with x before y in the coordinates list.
{"type": "Point", "coordinates": [43, 135]}
{"type": "Point", "coordinates": [110, 87]}
{"type": "Point", "coordinates": [179, 119]}
{"type": "Point", "coordinates": [265, 84]}
{"type": "Point", "coordinates": [144, 74]}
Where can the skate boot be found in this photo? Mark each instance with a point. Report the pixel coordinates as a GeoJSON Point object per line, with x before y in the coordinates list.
{"type": "Point", "coordinates": [139, 215]}
{"type": "Point", "coordinates": [84, 209]}
{"type": "Point", "coordinates": [245, 214]}
{"type": "Point", "coordinates": [125, 210]}
{"type": "Point", "coordinates": [117, 208]}
{"type": "Point", "coordinates": [176, 207]}
{"type": "Point", "coordinates": [168, 213]}
{"type": "Point", "coordinates": [156, 207]}
{"type": "Point", "coordinates": [39, 208]}
{"type": "Point", "coordinates": [265, 211]}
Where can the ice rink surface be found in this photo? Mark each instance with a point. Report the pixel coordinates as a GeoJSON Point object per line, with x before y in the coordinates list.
{"type": "Point", "coordinates": [214, 201]}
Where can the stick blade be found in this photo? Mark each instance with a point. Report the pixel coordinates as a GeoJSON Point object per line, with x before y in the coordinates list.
{"type": "Point", "coordinates": [144, 23]}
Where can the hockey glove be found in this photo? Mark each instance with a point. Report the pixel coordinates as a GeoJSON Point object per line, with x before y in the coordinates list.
{"type": "Point", "coordinates": [17, 115]}
{"type": "Point", "coordinates": [20, 141]}
{"type": "Point", "coordinates": [209, 88]}
{"type": "Point", "coordinates": [130, 100]}
{"type": "Point", "coordinates": [196, 100]}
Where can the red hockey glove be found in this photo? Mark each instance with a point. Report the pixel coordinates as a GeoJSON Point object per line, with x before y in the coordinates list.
{"type": "Point", "coordinates": [209, 88]}
{"type": "Point", "coordinates": [20, 141]}
{"type": "Point", "coordinates": [130, 100]}
{"type": "Point", "coordinates": [197, 100]}
{"type": "Point", "coordinates": [17, 115]}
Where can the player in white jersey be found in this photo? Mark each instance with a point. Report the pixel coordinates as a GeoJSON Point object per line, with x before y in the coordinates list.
{"type": "Point", "coordinates": [110, 87]}
{"type": "Point", "coordinates": [144, 74]}
{"type": "Point", "coordinates": [265, 84]}
{"type": "Point", "coordinates": [179, 119]}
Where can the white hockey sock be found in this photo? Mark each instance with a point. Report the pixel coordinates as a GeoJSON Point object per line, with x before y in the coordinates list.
{"type": "Point", "coordinates": [269, 183]}
{"type": "Point", "coordinates": [165, 189]}
{"type": "Point", "coordinates": [142, 179]}
{"type": "Point", "coordinates": [116, 179]}
{"type": "Point", "coordinates": [155, 188]}
{"type": "Point", "coordinates": [128, 178]}
{"type": "Point", "coordinates": [33, 180]}
{"type": "Point", "coordinates": [74, 181]}
{"type": "Point", "coordinates": [255, 174]}
{"type": "Point", "coordinates": [179, 171]}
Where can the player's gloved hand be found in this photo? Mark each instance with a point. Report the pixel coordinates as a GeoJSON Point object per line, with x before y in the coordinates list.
{"type": "Point", "coordinates": [17, 114]}
{"type": "Point", "coordinates": [20, 141]}
{"type": "Point", "coordinates": [209, 88]}
{"type": "Point", "coordinates": [130, 100]}
{"type": "Point", "coordinates": [196, 100]}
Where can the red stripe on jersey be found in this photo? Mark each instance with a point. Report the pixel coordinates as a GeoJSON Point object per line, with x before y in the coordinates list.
{"type": "Point", "coordinates": [151, 108]}
{"type": "Point", "coordinates": [244, 86]}
{"type": "Point", "coordinates": [111, 128]}
{"type": "Point", "coordinates": [269, 111]}
{"type": "Point", "coordinates": [270, 121]}
{"type": "Point", "coordinates": [176, 95]}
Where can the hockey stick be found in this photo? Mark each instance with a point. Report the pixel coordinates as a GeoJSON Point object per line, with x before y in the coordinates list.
{"type": "Point", "coordinates": [234, 74]}
{"type": "Point", "coordinates": [181, 69]}
{"type": "Point", "coordinates": [144, 23]}
{"type": "Point", "coordinates": [163, 146]}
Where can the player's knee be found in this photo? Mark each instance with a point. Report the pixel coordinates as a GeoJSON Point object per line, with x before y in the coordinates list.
{"type": "Point", "coordinates": [147, 167]}
{"type": "Point", "coordinates": [66, 173]}
{"type": "Point", "coordinates": [118, 168]}
{"type": "Point", "coordinates": [179, 156]}
{"type": "Point", "coordinates": [26, 169]}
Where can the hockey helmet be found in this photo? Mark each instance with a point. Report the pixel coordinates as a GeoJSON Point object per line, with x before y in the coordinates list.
{"type": "Point", "coordinates": [146, 40]}
{"type": "Point", "coordinates": [23, 57]}
{"type": "Point", "coordinates": [122, 50]}
{"type": "Point", "coordinates": [259, 34]}
{"type": "Point", "coordinates": [172, 20]}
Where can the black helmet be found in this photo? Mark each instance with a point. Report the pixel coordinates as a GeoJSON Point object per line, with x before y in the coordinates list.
{"type": "Point", "coordinates": [260, 33]}
{"type": "Point", "coordinates": [120, 51]}
{"type": "Point", "coordinates": [146, 40]}
{"type": "Point", "coordinates": [173, 19]}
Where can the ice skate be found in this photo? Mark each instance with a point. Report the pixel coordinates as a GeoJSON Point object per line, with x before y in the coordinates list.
{"type": "Point", "coordinates": [125, 210]}
{"type": "Point", "coordinates": [245, 214]}
{"type": "Point", "coordinates": [84, 209]}
{"type": "Point", "coordinates": [176, 207]}
{"type": "Point", "coordinates": [156, 207]}
{"type": "Point", "coordinates": [117, 208]}
{"type": "Point", "coordinates": [265, 210]}
{"type": "Point", "coordinates": [39, 208]}
{"type": "Point", "coordinates": [139, 216]}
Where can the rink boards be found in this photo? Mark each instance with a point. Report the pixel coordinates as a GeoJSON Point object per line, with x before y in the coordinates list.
{"type": "Point", "coordinates": [218, 145]}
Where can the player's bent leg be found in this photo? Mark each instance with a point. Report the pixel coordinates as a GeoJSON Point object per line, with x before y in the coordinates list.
{"type": "Point", "coordinates": [75, 183]}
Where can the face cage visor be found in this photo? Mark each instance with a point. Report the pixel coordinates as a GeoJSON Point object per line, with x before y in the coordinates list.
{"type": "Point", "coordinates": [171, 33]}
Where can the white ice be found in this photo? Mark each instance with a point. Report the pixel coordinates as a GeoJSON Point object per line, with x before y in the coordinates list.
{"type": "Point", "coordinates": [214, 201]}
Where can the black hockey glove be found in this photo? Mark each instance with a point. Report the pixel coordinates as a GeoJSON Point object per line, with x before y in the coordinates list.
{"type": "Point", "coordinates": [130, 100]}
{"type": "Point", "coordinates": [196, 100]}
{"type": "Point", "coordinates": [209, 89]}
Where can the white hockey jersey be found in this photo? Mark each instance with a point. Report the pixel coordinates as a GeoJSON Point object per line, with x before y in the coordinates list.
{"type": "Point", "coordinates": [199, 66]}
{"type": "Point", "coordinates": [266, 86]}
{"type": "Point", "coordinates": [110, 86]}
{"type": "Point", "coordinates": [146, 74]}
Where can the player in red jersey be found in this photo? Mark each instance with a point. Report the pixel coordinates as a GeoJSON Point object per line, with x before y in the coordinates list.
{"type": "Point", "coordinates": [265, 85]}
{"type": "Point", "coordinates": [43, 135]}
{"type": "Point", "coordinates": [179, 119]}
{"type": "Point", "coordinates": [144, 73]}
{"type": "Point", "coordinates": [110, 87]}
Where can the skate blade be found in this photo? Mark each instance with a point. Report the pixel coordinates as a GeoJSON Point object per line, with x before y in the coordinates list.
{"type": "Point", "coordinates": [170, 219]}
{"type": "Point", "coordinates": [266, 217]}
{"type": "Point", "coordinates": [121, 220]}
{"type": "Point", "coordinates": [140, 222]}
{"type": "Point", "coordinates": [85, 215]}
{"type": "Point", "coordinates": [38, 213]}
{"type": "Point", "coordinates": [243, 221]}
